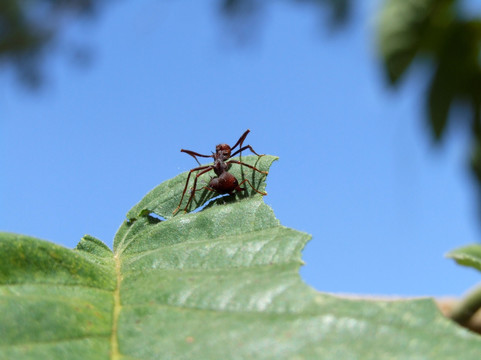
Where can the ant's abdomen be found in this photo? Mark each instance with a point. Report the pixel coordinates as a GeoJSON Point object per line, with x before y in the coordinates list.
{"type": "Point", "coordinates": [224, 184]}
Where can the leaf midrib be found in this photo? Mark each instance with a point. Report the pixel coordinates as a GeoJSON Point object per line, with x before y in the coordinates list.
{"type": "Point", "coordinates": [114, 344]}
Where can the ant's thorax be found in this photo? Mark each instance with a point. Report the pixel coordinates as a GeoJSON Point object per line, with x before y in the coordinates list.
{"type": "Point", "coordinates": [220, 166]}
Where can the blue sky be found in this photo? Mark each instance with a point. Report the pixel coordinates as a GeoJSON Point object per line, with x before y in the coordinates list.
{"type": "Point", "coordinates": [357, 167]}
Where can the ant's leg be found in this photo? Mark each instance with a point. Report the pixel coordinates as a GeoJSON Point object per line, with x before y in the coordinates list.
{"type": "Point", "coordinates": [209, 168]}
{"type": "Point", "coordinates": [205, 188]}
{"type": "Point", "coordinates": [241, 139]}
{"type": "Point", "coordinates": [249, 166]}
{"type": "Point", "coordinates": [253, 188]}
{"type": "Point", "coordinates": [187, 183]}
{"type": "Point", "coordinates": [246, 147]}
{"type": "Point", "coordinates": [194, 155]}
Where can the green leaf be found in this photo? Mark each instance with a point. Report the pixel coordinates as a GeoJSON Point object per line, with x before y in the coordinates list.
{"type": "Point", "coordinates": [464, 310]}
{"type": "Point", "coordinates": [55, 303]}
{"type": "Point", "coordinates": [221, 283]}
{"type": "Point", "coordinates": [469, 255]}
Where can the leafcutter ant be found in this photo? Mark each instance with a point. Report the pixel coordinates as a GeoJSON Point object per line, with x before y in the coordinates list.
{"type": "Point", "coordinates": [224, 182]}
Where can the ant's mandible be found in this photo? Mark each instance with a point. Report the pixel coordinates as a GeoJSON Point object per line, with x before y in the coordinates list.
{"type": "Point", "coordinates": [224, 182]}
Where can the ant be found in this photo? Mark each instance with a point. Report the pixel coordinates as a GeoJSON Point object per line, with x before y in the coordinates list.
{"type": "Point", "coordinates": [224, 182]}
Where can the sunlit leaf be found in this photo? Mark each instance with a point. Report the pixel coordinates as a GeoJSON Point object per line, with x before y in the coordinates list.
{"type": "Point", "coordinates": [221, 283]}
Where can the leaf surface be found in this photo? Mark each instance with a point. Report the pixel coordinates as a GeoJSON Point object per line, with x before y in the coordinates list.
{"type": "Point", "coordinates": [221, 283]}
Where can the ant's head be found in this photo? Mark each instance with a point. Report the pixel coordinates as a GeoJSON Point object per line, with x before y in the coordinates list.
{"type": "Point", "coordinates": [223, 149]}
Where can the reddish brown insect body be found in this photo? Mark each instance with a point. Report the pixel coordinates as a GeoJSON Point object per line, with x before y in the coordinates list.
{"type": "Point", "coordinates": [224, 182]}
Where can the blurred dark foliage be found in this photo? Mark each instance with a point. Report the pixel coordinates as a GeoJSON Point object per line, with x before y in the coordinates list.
{"type": "Point", "coordinates": [443, 35]}
{"type": "Point", "coordinates": [29, 29]}
{"type": "Point", "coordinates": [242, 18]}
{"type": "Point", "coordinates": [245, 8]}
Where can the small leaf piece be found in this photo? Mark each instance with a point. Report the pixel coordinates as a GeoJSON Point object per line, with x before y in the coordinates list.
{"type": "Point", "coordinates": [469, 255]}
